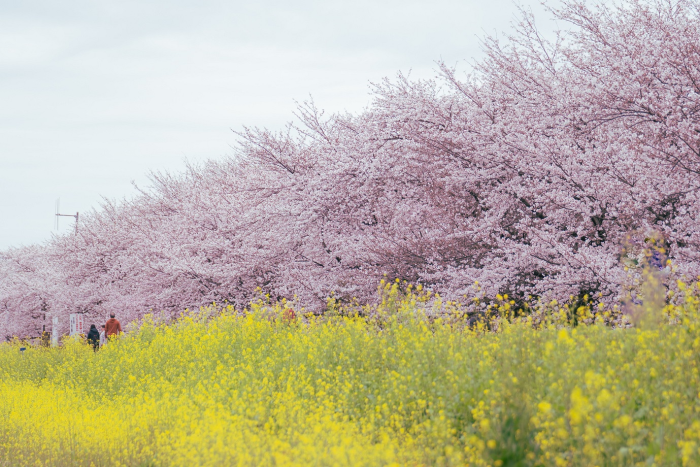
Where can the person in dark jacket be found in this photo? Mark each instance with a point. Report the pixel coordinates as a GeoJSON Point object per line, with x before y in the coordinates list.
{"type": "Point", "coordinates": [93, 337]}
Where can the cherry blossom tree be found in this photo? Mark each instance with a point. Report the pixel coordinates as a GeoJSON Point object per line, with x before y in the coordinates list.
{"type": "Point", "coordinates": [529, 175]}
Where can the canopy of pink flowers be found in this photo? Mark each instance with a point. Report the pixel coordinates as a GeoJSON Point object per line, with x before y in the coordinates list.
{"type": "Point", "coordinates": [526, 175]}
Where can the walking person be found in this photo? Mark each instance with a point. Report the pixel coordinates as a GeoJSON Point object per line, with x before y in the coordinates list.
{"type": "Point", "coordinates": [93, 337]}
{"type": "Point", "coordinates": [112, 327]}
{"type": "Point", "coordinates": [103, 336]}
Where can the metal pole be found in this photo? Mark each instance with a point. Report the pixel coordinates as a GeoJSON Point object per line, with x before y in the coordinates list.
{"type": "Point", "coordinates": [76, 217]}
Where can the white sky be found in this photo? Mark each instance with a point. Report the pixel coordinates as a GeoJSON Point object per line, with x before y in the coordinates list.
{"type": "Point", "coordinates": [95, 94]}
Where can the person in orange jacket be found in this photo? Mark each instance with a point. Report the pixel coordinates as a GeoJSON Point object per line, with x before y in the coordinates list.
{"type": "Point", "coordinates": [289, 315]}
{"type": "Point", "coordinates": [112, 327]}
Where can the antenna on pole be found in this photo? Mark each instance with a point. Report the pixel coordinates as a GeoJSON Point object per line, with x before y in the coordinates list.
{"type": "Point", "coordinates": [59, 215]}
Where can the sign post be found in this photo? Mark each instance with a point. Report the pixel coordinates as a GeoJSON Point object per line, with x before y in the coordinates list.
{"type": "Point", "coordinates": [76, 324]}
{"type": "Point", "coordinates": [54, 331]}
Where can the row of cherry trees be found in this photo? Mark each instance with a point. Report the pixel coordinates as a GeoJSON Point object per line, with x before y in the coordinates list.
{"type": "Point", "coordinates": [526, 175]}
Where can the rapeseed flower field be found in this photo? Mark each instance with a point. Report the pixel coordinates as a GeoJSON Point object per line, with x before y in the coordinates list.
{"type": "Point", "coordinates": [393, 385]}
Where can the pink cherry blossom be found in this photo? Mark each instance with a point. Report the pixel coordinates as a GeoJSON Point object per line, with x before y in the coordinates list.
{"type": "Point", "coordinates": [527, 175]}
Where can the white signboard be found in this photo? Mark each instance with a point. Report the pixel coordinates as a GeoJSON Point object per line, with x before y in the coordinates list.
{"type": "Point", "coordinates": [76, 324]}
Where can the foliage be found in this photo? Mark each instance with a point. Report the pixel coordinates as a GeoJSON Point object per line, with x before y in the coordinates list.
{"type": "Point", "coordinates": [398, 385]}
{"type": "Point", "coordinates": [529, 175]}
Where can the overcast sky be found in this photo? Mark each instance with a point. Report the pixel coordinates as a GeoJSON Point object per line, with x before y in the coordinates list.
{"type": "Point", "coordinates": [95, 94]}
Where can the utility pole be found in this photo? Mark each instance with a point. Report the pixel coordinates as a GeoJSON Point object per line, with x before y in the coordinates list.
{"type": "Point", "coordinates": [59, 215]}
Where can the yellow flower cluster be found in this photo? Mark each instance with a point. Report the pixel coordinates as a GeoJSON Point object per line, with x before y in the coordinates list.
{"type": "Point", "coordinates": [398, 385]}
